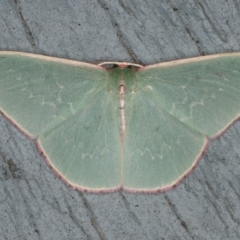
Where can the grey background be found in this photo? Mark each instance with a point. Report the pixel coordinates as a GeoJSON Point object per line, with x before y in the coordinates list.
{"type": "Point", "coordinates": [35, 204]}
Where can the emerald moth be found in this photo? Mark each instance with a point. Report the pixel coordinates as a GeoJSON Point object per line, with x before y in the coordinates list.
{"type": "Point", "coordinates": [142, 129]}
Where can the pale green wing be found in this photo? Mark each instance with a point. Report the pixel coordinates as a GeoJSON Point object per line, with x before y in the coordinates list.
{"type": "Point", "coordinates": [172, 108]}
{"type": "Point", "coordinates": [72, 110]}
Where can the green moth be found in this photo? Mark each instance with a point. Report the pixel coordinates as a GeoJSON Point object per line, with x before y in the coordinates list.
{"type": "Point", "coordinates": [142, 129]}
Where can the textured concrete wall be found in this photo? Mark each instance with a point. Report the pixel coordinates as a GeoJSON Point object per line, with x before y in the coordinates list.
{"type": "Point", "coordinates": [35, 204]}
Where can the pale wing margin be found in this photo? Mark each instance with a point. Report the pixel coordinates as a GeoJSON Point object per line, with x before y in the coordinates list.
{"type": "Point", "coordinates": [204, 94]}
{"type": "Point", "coordinates": [38, 92]}
{"type": "Point", "coordinates": [68, 107]}
{"type": "Point", "coordinates": [174, 108]}
{"type": "Point", "coordinates": [85, 148]}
